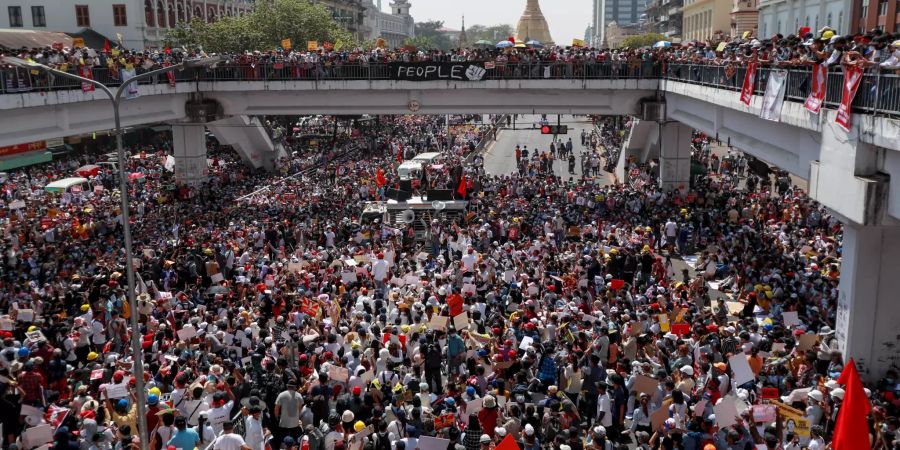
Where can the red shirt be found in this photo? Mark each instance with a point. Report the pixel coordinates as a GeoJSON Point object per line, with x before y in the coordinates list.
{"type": "Point", "coordinates": [31, 383]}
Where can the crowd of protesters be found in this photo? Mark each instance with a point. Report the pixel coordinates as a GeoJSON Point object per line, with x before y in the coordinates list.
{"type": "Point", "coordinates": [555, 313]}
{"type": "Point", "coordinates": [874, 50]}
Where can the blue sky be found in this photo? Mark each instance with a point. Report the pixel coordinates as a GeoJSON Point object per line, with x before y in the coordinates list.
{"type": "Point", "coordinates": [567, 18]}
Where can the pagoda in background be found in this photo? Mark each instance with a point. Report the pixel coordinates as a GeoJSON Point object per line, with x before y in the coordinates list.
{"type": "Point", "coordinates": [533, 25]}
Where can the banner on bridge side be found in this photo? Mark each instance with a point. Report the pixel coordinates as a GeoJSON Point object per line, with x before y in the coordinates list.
{"type": "Point", "coordinates": [437, 71]}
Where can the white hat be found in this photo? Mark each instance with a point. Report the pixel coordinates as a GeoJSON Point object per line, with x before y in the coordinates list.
{"type": "Point", "coordinates": [485, 439]}
{"type": "Point", "coordinates": [529, 430]}
{"type": "Point", "coordinates": [815, 395]}
{"type": "Point", "coordinates": [489, 402]}
{"type": "Point", "coordinates": [347, 416]}
{"type": "Point", "coordinates": [599, 430]}
{"type": "Point", "coordinates": [687, 370]}
{"type": "Point", "coordinates": [500, 431]}
{"type": "Point", "coordinates": [838, 393]}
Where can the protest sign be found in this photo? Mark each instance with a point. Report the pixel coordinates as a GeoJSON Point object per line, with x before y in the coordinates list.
{"type": "Point", "coordinates": [763, 413]}
{"type": "Point", "coordinates": [461, 321]}
{"type": "Point", "coordinates": [438, 323]}
{"type": "Point", "coordinates": [339, 374]}
{"type": "Point", "coordinates": [645, 385]}
{"type": "Point", "coordinates": [741, 368]}
{"type": "Point", "coordinates": [791, 319]}
{"type": "Point", "coordinates": [186, 332]}
{"type": "Point", "coordinates": [432, 443]}
{"type": "Point", "coordinates": [726, 412]}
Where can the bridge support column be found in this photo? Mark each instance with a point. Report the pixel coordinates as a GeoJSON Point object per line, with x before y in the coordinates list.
{"type": "Point", "coordinates": [867, 312]}
{"type": "Point", "coordinates": [675, 155]}
{"type": "Point", "coordinates": [190, 153]}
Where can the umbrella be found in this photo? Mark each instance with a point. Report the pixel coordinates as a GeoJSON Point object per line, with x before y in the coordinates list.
{"type": "Point", "coordinates": [484, 42]}
{"type": "Point", "coordinates": [504, 44]}
{"type": "Point", "coordinates": [534, 43]}
{"type": "Point", "coordinates": [662, 44]}
{"type": "Point", "coordinates": [135, 176]}
{"type": "Point", "coordinates": [520, 45]}
{"type": "Point", "coordinates": [88, 171]}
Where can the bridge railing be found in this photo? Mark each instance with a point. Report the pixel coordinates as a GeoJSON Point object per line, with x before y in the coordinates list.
{"type": "Point", "coordinates": [879, 93]}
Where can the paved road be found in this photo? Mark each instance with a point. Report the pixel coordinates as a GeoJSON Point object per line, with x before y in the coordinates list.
{"type": "Point", "coordinates": [500, 157]}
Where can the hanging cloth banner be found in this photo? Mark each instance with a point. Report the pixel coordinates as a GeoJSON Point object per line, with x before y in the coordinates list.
{"type": "Point", "coordinates": [852, 78]}
{"type": "Point", "coordinates": [86, 72]}
{"type": "Point", "coordinates": [773, 100]}
{"type": "Point", "coordinates": [132, 91]}
{"type": "Point", "coordinates": [170, 75]}
{"type": "Point", "coordinates": [817, 92]}
{"type": "Point", "coordinates": [749, 84]}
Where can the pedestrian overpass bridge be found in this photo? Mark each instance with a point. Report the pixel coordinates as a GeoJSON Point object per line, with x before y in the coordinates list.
{"type": "Point", "coordinates": [849, 172]}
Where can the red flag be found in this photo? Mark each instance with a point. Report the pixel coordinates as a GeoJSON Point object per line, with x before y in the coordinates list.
{"type": "Point", "coordinates": [749, 84]}
{"type": "Point", "coordinates": [512, 39]}
{"type": "Point", "coordinates": [106, 46]}
{"type": "Point", "coordinates": [170, 75]}
{"type": "Point", "coordinates": [461, 189]}
{"type": "Point", "coordinates": [379, 178]}
{"type": "Point", "coordinates": [508, 443]}
{"type": "Point", "coordinates": [851, 430]}
{"type": "Point", "coordinates": [86, 72]}
{"type": "Point", "coordinates": [852, 77]}
{"type": "Point", "coordinates": [400, 154]}
{"type": "Point", "coordinates": [817, 92]}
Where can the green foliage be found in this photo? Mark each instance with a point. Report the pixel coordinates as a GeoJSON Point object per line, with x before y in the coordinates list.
{"type": "Point", "coordinates": [495, 33]}
{"type": "Point", "coordinates": [429, 31]}
{"type": "Point", "coordinates": [642, 40]}
{"type": "Point", "coordinates": [420, 42]}
{"type": "Point", "coordinates": [263, 28]}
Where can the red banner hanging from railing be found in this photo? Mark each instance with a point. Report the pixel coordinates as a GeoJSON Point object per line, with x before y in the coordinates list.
{"type": "Point", "coordinates": [749, 84]}
{"type": "Point", "coordinates": [852, 77]}
{"type": "Point", "coordinates": [817, 92]}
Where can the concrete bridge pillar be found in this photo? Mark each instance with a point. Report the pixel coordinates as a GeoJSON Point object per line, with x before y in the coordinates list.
{"type": "Point", "coordinates": [675, 155]}
{"type": "Point", "coordinates": [189, 141]}
{"type": "Point", "coordinates": [868, 298]}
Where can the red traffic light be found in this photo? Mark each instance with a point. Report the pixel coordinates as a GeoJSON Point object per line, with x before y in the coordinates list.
{"type": "Point", "coordinates": [545, 129]}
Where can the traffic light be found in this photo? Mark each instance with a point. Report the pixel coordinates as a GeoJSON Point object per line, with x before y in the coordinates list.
{"type": "Point", "coordinates": [555, 129]}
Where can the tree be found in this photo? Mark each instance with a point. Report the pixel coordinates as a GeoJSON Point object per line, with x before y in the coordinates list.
{"type": "Point", "coordinates": [420, 42]}
{"type": "Point", "coordinates": [429, 30]}
{"type": "Point", "coordinates": [264, 28]}
{"type": "Point", "coordinates": [493, 33]}
{"type": "Point", "coordinates": [642, 40]}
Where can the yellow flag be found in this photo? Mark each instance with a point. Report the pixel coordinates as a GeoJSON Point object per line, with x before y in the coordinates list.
{"type": "Point", "coordinates": [77, 42]}
{"type": "Point", "coordinates": [745, 35]}
{"type": "Point", "coordinates": [115, 52]}
{"type": "Point", "coordinates": [338, 45]}
{"type": "Point", "coordinates": [286, 44]}
{"type": "Point", "coordinates": [312, 45]}
{"type": "Point", "coordinates": [721, 47]}
{"type": "Point", "coordinates": [578, 43]}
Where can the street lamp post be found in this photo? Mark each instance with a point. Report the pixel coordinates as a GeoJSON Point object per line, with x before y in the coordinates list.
{"type": "Point", "coordinates": [115, 98]}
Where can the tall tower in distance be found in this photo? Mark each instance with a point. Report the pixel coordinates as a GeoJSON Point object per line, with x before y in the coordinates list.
{"type": "Point", "coordinates": [533, 25]}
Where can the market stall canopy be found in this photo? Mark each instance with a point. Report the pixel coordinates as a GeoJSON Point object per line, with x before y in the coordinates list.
{"type": "Point", "coordinates": [65, 183]}
{"type": "Point", "coordinates": [16, 39]}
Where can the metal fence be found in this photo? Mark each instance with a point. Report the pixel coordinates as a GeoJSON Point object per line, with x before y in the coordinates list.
{"type": "Point", "coordinates": [878, 93]}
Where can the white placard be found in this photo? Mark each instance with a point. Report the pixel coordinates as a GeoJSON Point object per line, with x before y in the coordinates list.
{"type": "Point", "coordinates": [469, 289]}
{"type": "Point", "coordinates": [461, 321]}
{"type": "Point", "coordinates": [37, 436]}
{"type": "Point", "coordinates": [348, 277]}
{"type": "Point", "coordinates": [217, 277]}
{"type": "Point", "coordinates": [509, 276]}
{"type": "Point", "coordinates": [741, 368]}
{"type": "Point", "coordinates": [438, 323]}
{"type": "Point", "coordinates": [791, 319]}
{"type": "Point", "coordinates": [114, 391]}
{"type": "Point", "coordinates": [526, 342]}
{"type": "Point", "coordinates": [432, 443]}
{"type": "Point", "coordinates": [25, 315]}
{"type": "Point", "coordinates": [473, 406]}
{"type": "Point", "coordinates": [186, 332]}
{"type": "Point", "coordinates": [16, 204]}
{"type": "Point", "coordinates": [726, 412]}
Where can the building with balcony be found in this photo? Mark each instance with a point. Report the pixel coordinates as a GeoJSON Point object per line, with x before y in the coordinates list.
{"type": "Point", "coordinates": [351, 14]}
{"type": "Point", "coordinates": [788, 16]}
{"type": "Point", "coordinates": [665, 17]}
{"type": "Point", "coordinates": [703, 18]}
{"type": "Point", "coordinates": [744, 17]}
{"type": "Point", "coordinates": [394, 27]}
{"type": "Point", "coordinates": [871, 14]}
{"type": "Point", "coordinates": [136, 24]}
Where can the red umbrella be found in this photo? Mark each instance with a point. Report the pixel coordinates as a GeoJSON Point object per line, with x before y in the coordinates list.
{"type": "Point", "coordinates": [88, 171]}
{"type": "Point", "coordinates": [135, 176]}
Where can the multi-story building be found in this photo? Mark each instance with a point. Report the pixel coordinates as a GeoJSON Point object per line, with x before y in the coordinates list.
{"type": "Point", "coordinates": [394, 27]}
{"type": "Point", "coordinates": [136, 24]}
{"type": "Point", "coordinates": [664, 17]}
{"type": "Point", "coordinates": [876, 14]}
{"type": "Point", "coordinates": [351, 14]}
{"type": "Point", "coordinates": [615, 35]}
{"type": "Point", "coordinates": [625, 13]}
{"type": "Point", "coordinates": [788, 16]}
{"type": "Point", "coordinates": [703, 18]}
{"type": "Point", "coordinates": [744, 17]}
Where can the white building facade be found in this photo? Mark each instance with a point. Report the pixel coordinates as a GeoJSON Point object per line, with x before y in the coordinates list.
{"type": "Point", "coordinates": [788, 16]}
{"type": "Point", "coordinates": [140, 23]}
{"type": "Point", "coordinates": [394, 27]}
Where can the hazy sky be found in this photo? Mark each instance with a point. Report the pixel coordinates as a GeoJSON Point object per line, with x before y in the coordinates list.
{"type": "Point", "coordinates": [567, 18]}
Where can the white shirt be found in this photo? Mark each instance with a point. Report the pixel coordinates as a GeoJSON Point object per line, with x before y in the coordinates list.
{"type": "Point", "coordinates": [254, 433]}
{"type": "Point", "coordinates": [379, 269]}
{"type": "Point", "coordinates": [230, 441]}
{"type": "Point", "coordinates": [604, 405]}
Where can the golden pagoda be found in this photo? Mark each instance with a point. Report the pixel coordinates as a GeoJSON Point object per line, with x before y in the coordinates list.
{"type": "Point", "coordinates": [533, 25]}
